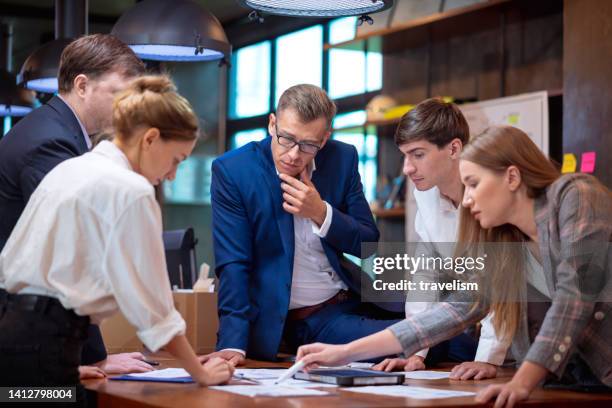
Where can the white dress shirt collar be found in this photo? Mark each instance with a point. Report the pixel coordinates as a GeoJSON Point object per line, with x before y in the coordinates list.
{"type": "Point", "coordinates": [112, 151]}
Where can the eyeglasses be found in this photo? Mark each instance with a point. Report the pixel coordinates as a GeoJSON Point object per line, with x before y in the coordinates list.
{"type": "Point", "coordinates": [289, 143]}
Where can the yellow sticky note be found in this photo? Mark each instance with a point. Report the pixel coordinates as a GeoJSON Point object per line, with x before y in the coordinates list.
{"type": "Point", "coordinates": [569, 163]}
{"type": "Point", "coordinates": [513, 119]}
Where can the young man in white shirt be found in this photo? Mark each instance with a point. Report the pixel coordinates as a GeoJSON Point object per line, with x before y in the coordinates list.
{"type": "Point", "coordinates": [431, 137]}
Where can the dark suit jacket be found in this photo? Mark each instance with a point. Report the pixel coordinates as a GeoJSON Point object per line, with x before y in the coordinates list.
{"type": "Point", "coordinates": [32, 148]}
{"type": "Point", "coordinates": [254, 238]}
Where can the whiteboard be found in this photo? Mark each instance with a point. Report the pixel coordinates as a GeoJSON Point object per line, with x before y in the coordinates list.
{"type": "Point", "coordinates": [528, 112]}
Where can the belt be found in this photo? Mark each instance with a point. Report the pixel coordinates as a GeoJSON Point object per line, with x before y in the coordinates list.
{"type": "Point", "coordinates": [305, 312]}
{"type": "Point", "coordinates": [43, 305]}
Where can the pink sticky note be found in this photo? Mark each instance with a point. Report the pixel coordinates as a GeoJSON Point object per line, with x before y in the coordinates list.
{"type": "Point", "coordinates": [587, 164]}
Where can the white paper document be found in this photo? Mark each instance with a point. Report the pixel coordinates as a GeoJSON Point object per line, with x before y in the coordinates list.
{"type": "Point", "coordinates": [359, 364]}
{"type": "Point", "coordinates": [264, 376]}
{"type": "Point", "coordinates": [161, 374]}
{"type": "Point", "coordinates": [425, 375]}
{"type": "Point", "coordinates": [269, 391]}
{"type": "Point", "coordinates": [408, 391]}
{"type": "Point", "coordinates": [259, 373]}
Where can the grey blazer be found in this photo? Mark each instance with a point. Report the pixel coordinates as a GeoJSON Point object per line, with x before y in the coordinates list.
{"type": "Point", "coordinates": [574, 223]}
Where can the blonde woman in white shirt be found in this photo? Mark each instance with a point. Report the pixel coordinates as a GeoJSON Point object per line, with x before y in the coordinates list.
{"type": "Point", "coordinates": [89, 244]}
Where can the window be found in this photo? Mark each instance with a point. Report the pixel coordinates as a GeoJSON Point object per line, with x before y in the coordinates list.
{"type": "Point", "coordinates": [342, 29]}
{"type": "Point", "coordinates": [246, 136]}
{"type": "Point", "coordinates": [249, 86]}
{"type": "Point", "coordinates": [299, 58]}
{"type": "Point", "coordinates": [352, 70]}
{"type": "Point", "coordinates": [7, 125]}
{"type": "Point", "coordinates": [192, 182]}
{"type": "Point", "coordinates": [366, 143]}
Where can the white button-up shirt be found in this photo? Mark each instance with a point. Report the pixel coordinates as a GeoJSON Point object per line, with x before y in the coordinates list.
{"type": "Point", "coordinates": [314, 280]}
{"type": "Point", "coordinates": [91, 236]}
{"type": "Point", "coordinates": [437, 220]}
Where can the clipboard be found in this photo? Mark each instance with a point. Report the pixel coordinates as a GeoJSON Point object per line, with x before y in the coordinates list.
{"type": "Point", "coordinates": [350, 377]}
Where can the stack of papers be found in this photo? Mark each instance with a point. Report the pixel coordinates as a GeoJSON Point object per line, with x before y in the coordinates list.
{"type": "Point", "coordinates": [408, 391]}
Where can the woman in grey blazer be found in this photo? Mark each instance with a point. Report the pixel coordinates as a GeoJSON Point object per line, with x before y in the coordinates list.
{"type": "Point", "coordinates": [513, 193]}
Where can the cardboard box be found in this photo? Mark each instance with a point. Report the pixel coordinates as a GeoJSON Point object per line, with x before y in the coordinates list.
{"type": "Point", "coordinates": [119, 335]}
{"type": "Point", "coordinates": [199, 309]}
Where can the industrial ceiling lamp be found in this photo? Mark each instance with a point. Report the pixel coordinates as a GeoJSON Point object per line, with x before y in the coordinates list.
{"type": "Point", "coordinates": [13, 99]}
{"type": "Point", "coordinates": [39, 71]}
{"type": "Point", "coordinates": [178, 30]}
{"type": "Point", "coordinates": [316, 8]}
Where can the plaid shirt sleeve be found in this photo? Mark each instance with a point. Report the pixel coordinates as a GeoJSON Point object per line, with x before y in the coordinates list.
{"type": "Point", "coordinates": [442, 321]}
{"type": "Point", "coordinates": [578, 260]}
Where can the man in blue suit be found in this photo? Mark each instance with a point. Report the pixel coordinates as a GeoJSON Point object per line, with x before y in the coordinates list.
{"type": "Point", "coordinates": [92, 70]}
{"type": "Point", "coordinates": [284, 211]}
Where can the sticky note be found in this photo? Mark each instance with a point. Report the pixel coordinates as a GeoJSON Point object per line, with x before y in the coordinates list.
{"type": "Point", "coordinates": [513, 119]}
{"type": "Point", "coordinates": [587, 164]}
{"type": "Point", "coordinates": [569, 163]}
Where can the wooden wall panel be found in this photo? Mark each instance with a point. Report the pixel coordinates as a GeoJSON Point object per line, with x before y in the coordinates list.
{"type": "Point", "coordinates": [466, 62]}
{"type": "Point", "coordinates": [587, 67]}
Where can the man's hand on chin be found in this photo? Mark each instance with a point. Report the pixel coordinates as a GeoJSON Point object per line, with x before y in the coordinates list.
{"type": "Point", "coordinates": [233, 357]}
{"type": "Point", "coordinates": [124, 363]}
{"type": "Point", "coordinates": [302, 198]}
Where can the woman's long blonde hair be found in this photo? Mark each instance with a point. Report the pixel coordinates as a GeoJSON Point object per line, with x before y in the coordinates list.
{"type": "Point", "coordinates": [496, 149]}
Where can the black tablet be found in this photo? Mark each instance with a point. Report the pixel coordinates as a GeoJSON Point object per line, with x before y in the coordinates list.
{"type": "Point", "coordinates": [350, 377]}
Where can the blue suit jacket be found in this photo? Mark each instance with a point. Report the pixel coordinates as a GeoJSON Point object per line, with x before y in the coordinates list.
{"type": "Point", "coordinates": [254, 238]}
{"type": "Point", "coordinates": [31, 149]}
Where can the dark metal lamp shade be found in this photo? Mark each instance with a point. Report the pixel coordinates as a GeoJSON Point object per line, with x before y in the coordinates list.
{"type": "Point", "coordinates": [40, 69]}
{"type": "Point", "coordinates": [12, 100]}
{"type": "Point", "coordinates": [317, 8]}
{"type": "Point", "coordinates": [177, 30]}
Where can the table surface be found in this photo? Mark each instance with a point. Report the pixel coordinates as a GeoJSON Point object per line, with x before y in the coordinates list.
{"type": "Point", "coordinates": [149, 394]}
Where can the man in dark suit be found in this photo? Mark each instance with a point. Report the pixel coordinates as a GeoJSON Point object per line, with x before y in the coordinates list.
{"type": "Point", "coordinates": [92, 70]}
{"type": "Point", "coordinates": [284, 211]}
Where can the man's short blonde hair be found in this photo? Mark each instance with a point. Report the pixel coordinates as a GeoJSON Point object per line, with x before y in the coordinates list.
{"type": "Point", "coordinates": [310, 103]}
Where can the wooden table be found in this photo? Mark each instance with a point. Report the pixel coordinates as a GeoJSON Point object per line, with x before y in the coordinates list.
{"type": "Point", "coordinates": [131, 394]}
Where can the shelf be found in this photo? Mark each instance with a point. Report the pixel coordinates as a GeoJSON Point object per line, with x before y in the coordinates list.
{"type": "Point", "coordinates": [421, 22]}
{"type": "Point", "coordinates": [397, 212]}
{"type": "Point", "coordinates": [552, 93]}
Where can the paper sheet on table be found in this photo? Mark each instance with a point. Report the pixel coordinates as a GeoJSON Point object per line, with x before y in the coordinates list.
{"type": "Point", "coordinates": [359, 364]}
{"type": "Point", "coordinates": [268, 391]}
{"type": "Point", "coordinates": [161, 374]}
{"type": "Point", "coordinates": [425, 375]}
{"type": "Point", "coordinates": [410, 391]}
{"type": "Point", "coordinates": [259, 373]}
{"type": "Point", "coordinates": [174, 375]}
{"type": "Point", "coordinates": [268, 376]}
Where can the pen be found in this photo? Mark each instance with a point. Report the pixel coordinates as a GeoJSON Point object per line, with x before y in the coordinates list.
{"type": "Point", "coordinates": [245, 378]}
{"type": "Point", "coordinates": [290, 372]}
{"type": "Point", "coordinates": [151, 362]}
